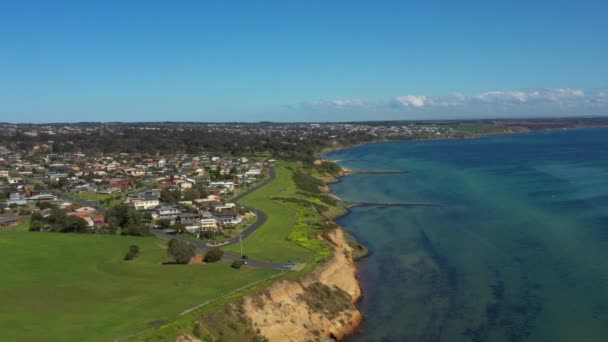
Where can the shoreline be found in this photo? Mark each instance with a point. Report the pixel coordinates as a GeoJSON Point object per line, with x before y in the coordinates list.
{"type": "Point", "coordinates": [328, 149]}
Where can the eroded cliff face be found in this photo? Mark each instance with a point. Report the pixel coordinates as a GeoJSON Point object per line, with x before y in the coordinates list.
{"type": "Point", "coordinates": [319, 306]}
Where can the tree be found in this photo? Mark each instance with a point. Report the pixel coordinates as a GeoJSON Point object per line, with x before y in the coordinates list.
{"type": "Point", "coordinates": [178, 227]}
{"type": "Point", "coordinates": [191, 194]}
{"type": "Point", "coordinates": [181, 251]}
{"type": "Point", "coordinates": [56, 219]}
{"type": "Point", "coordinates": [37, 217]}
{"type": "Point", "coordinates": [129, 220]}
{"type": "Point", "coordinates": [123, 215]}
{"type": "Point", "coordinates": [74, 224]}
{"type": "Point", "coordinates": [138, 229]}
{"type": "Point", "coordinates": [147, 217]}
{"type": "Point", "coordinates": [214, 255]}
{"type": "Point", "coordinates": [236, 264]}
{"type": "Point", "coordinates": [169, 196]}
{"type": "Point", "coordinates": [163, 223]}
{"type": "Point", "coordinates": [36, 226]}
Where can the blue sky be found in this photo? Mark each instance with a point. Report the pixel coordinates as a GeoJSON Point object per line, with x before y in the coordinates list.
{"type": "Point", "coordinates": [300, 60]}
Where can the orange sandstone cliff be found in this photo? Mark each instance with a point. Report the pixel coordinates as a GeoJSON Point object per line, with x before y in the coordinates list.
{"type": "Point", "coordinates": [321, 305]}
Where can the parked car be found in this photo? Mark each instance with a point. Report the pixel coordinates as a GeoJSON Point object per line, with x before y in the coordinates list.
{"type": "Point", "coordinates": [289, 265]}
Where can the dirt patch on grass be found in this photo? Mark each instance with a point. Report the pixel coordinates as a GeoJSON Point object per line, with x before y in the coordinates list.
{"type": "Point", "coordinates": [197, 259]}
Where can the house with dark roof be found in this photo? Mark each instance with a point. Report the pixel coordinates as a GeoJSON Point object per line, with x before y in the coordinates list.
{"type": "Point", "coordinates": [10, 221]}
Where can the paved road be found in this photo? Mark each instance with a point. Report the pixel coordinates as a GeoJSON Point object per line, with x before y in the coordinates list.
{"type": "Point", "coordinates": [262, 217]}
{"type": "Point", "coordinates": [229, 256]}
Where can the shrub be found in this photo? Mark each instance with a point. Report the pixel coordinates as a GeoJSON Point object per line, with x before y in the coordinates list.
{"type": "Point", "coordinates": [36, 226]}
{"type": "Point", "coordinates": [198, 329]}
{"type": "Point", "coordinates": [236, 264]}
{"type": "Point", "coordinates": [163, 223]}
{"type": "Point", "coordinates": [214, 255]}
{"type": "Point", "coordinates": [132, 253]}
{"type": "Point", "coordinates": [138, 229]}
{"type": "Point", "coordinates": [329, 167]}
{"type": "Point", "coordinates": [181, 251]}
{"type": "Point", "coordinates": [307, 182]}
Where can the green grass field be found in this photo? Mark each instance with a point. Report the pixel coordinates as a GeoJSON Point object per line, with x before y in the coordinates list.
{"type": "Point", "coordinates": [95, 197]}
{"type": "Point", "coordinates": [286, 234]}
{"type": "Point", "coordinates": [270, 241]}
{"type": "Point", "coordinates": [68, 287]}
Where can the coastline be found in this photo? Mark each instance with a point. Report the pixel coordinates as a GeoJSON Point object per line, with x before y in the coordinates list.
{"type": "Point", "coordinates": [330, 149]}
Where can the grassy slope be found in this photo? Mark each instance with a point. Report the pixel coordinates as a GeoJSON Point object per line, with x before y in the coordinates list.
{"type": "Point", "coordinates": [270, 242]}
{"type": "Point", "coordinates": [77, 287]}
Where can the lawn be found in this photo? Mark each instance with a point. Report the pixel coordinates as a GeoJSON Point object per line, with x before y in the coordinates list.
{"type": "Point", "coordinates": [284, 236]}
{"type": "Point", "coordinates": [62, 287]}
{"type": "Point", "coordinates": [95, 197]}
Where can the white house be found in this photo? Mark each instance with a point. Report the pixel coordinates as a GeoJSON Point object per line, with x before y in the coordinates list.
{"type": "Point", "coordinates": [14, 180]}
{"type": "Point", "coordinates": [209, 224]}
{"type": "Point", "coordinates": [145, 204]}
{"type": "Point", "coordinates": [225, 184]}
{"type": "Point", "coordinates": [229, 219]}
{"type": "Point", "coordinates": [253, 173]}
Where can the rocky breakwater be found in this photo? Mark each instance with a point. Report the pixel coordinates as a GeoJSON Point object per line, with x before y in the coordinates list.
{"type": "Point", "coordinates": [318, 306]}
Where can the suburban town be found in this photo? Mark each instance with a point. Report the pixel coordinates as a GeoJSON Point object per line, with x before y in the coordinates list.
{"type": "Point", "coordinates": [191, 194]}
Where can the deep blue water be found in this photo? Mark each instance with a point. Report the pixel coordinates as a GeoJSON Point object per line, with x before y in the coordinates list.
{"type": "Point", "coordinates": [516, 250]}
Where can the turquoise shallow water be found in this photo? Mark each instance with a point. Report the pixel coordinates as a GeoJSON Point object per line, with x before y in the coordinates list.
{"type": "Point", "coordinates": [517, 249]}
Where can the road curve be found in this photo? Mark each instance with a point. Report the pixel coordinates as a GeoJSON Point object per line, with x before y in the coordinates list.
{"type": "Point", "coordinates": [230, 256]}
{"type": "Point", "coordinates": [262, 217]}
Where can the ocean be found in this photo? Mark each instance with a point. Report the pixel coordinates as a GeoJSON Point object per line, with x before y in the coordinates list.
{"type": "Point", "coordinates": [515, 247]}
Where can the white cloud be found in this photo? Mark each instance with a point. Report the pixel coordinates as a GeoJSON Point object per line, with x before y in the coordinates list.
{"type": "Point", "coordinates": [496, 103]}
{"type": "Point", "coordinates": [558, 96]}
{"type": "Point", "coordinates": [336, 103]}
{"type": "Point", "coordinates": [411, 100]}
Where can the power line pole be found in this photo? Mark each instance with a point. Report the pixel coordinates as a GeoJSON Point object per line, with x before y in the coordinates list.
{"type": "Point", "coordinates": [241, 241]}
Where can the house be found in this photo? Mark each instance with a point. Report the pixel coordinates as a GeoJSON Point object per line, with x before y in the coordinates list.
{"type": "Point", "coordinates": [224, 184]}
{"type": "Point", "coordinates": [166, 212]}
{"type": "Point", "coordinates": [229, 219]}
{"type": "Point", "coordinates": [10, 221]}
{"type": "Point", "coordinates": [42, 197]}
{"type": "Point", "coordinates": [222, 207]}
{"type": "Point", "coordinates": [4, 174]}
{"type": "Point", "coordinates": [185, 184]}
{"type": "Point", "coordinates": [206, 214]}
{"type": "Point", "coordinates": [253, 173]}
{"type": "Point", "coordinates": [14, 180]}
{"type": "Point", "coordinates": [210, 224]}
{"type": "Point", "coordinates": [188, 218]}
{"type": "Point", "coordinates": [145, 204]}
{"type": "Point", "coordinates": [146, 194]}
{"type": "Point", "coordinates": [89, 221]}
{"type": "Point", "coordinates": [211, 199]}
{"type": "Point", "coordinates": [16, 198]}
{"type": "Point", "coordinates": [193, 228]}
